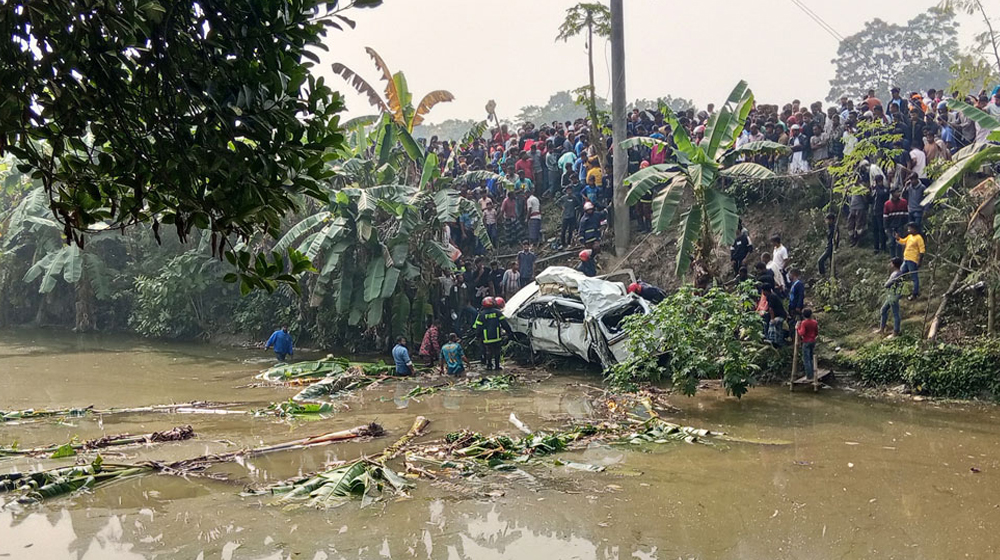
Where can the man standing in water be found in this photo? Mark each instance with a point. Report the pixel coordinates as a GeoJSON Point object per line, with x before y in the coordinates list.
{"type": "Point", "coordinates": [282, 343]}
{"type": "Point", "coordinates": [401, 357]}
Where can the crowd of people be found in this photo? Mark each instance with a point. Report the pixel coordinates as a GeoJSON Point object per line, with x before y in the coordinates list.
{"type": "Point", "coordinates": [557, 163]}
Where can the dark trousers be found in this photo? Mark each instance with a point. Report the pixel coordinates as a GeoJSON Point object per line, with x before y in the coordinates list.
{"type": "Point", "coordinates": [567, 231]}
{"type": "Point", "coordinates": [827, 255]}
{"type": "Point", "coordinates": [491, 355]}
{"type": "Point", "coordinates": [878, 232]}
{"type": "Point", "coordinates": [280, 355]}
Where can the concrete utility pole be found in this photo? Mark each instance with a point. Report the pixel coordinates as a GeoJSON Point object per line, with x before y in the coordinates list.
{"type": "Point", "coordinates": [622, 223]}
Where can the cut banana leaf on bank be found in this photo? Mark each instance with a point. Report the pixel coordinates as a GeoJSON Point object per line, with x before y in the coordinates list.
{"type": "Point", "coordinates": [327, 367]}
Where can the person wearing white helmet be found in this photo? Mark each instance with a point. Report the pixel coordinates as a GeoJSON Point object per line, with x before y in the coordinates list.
{"type": "Point", "coordinates": [590, 224]}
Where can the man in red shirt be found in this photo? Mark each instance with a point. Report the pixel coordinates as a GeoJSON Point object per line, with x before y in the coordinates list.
{"type": "Point", "coordinates": [894, 218]}
{"type": "Point", "coordinates": [524, 164]}
{"type": "Point", "coordinates": [808, 328]}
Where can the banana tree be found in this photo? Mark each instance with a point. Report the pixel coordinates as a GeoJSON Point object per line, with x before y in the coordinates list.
{"type": "Point", "coordinates": [695, 178]}
{"type": "Point", "coordinates": [30, 227]}
{"type": "Point", "coordinates": [397, 100]}
{"type": "Point", "coordinates": [378, 234]}
{"type": "Point", "coordinates": [971, 160]}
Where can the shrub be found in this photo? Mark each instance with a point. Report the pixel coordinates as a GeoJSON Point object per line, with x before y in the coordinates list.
{"type": "Point", "coordinates": [967, 371]}
{"type": "Point", "coordinates": [691, 336]}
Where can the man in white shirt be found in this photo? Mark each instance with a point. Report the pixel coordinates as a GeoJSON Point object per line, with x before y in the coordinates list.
{"type": "Point", "coordinates": [779, 254]}
{"type": "Point", "coordinates": [779, 278]}
{"type": "Point", "coordinates": [534, 210]}
{"type": "Point", "coordinates": [918, 160]}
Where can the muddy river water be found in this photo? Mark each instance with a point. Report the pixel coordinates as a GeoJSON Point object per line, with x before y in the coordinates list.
{"type": "Point", "coordinates": [860, 478]}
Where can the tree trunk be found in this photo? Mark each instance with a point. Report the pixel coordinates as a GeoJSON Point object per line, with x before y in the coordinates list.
{"type": "Point", "coordinates": [84, 305]}
{"type": "Point", "coordinates": [596, 137]}
{"type": "Point", "coordinates": [618, 127]}
{"type": "Point", "coordinates": [991, 297]}
{"type": "Point", "coordinates": [989, 28]}
{"type": "Point", "coordinates": [932, 332]}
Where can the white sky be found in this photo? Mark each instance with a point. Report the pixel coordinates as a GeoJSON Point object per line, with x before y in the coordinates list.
{"type": "Point", "coordinates": [699, 49]}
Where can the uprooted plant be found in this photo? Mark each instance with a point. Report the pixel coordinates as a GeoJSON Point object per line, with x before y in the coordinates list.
{"type": "Point", "coordinates": [691, 336]}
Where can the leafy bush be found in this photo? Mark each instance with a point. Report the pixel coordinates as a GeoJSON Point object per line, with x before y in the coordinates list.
{"type": "Point", "coordinates": [886, 363]}
{"type": "Point", "coordinates": [971, 370]}
{"type": "Point", "coordinates": [182, 301]}
{"type": "Point", "coordinates": [691, 336]}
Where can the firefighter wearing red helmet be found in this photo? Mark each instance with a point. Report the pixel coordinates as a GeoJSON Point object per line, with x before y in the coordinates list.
{"type": "Point", "coordinates": [500, 303]}
{"type": "Point", "coordinates": [587, 264]}
{"type": "Point", "coordinates": [648, 292]}
{"type": "Point", "coordinates": [488, 324]}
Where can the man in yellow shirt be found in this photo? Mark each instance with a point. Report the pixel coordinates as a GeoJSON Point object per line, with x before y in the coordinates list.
{"type": "Point", "coordinates": [913, 253]}
{"type": "Point", "coordinates": [595, 171]}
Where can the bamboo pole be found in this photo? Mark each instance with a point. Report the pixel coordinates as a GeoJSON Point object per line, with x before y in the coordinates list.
{"type": "Point", "coordinates": [365, 430]}
{"type": "Point", "coordinates": [415, 431]}
{"type": "Point", "coordinates": [795, 362]}
{"type": "Point", "coordinates": [815, 373]}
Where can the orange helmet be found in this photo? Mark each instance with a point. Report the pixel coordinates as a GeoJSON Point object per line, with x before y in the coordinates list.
{"type": "Point", "coordinates": [585, 255]}
{"type": "Point", "coordinates": [500, 302]}
{"type": "Point", "coordinates": [633, 288]}
{"type": "Point", "coordinates": [488, 302]}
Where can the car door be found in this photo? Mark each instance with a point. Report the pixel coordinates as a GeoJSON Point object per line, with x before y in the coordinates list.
{"type": "Point", "coordinates": [543, 328]}
{"type": "Point", "coordinates": [573, 335]}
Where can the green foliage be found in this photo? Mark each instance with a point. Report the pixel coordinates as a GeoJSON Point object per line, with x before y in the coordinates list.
{"type": "Point", "coordinates": [695, 171]}
{"type": "Point", "coordinates": [171, 114]}
{"type": "Point", "coordinates": [884, 54]}
{"type": "Point", "coordinates": [972, 74]}
{"type": "Point", "coordinates": [180, 301]}
{"type": "Point", "coordinates": [692, 336]}
{"type": "Point", "coordinates": [971, 370]}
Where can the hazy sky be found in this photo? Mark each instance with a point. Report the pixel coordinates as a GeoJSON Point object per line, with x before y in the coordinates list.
{"type": "Point", "coordinates": [505, 49]}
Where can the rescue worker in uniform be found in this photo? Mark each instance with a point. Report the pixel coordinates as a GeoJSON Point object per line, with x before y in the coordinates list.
{"type": "Point", "coordinates": [590, 226]}
{"type": "Point", "coordinates": [488, 324]}
{"type": "Point", "coordinates": [587, 264]}
{"type": "Point", "coordinates": [648, 292]}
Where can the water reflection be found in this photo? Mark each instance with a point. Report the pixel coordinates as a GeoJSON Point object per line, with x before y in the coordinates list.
{"type": "Point", "coordinates": [860, 479]}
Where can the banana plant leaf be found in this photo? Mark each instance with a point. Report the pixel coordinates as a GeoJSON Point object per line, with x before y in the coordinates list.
{"type": "Point", "coordinates": [324, 367]}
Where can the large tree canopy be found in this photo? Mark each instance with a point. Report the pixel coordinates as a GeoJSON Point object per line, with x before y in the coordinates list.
{"type": "Point", "coordinates": [913, 56]}
{"type": "Point", "coordinates": [194, 113]}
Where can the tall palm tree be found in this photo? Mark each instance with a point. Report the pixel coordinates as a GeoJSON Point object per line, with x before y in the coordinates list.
{"type": "Point", "coordinates": [697, 172]}
{"type": "Point", "coordinates": [592, 18]}
{"type": "Point", "coordinates": [397, 100]}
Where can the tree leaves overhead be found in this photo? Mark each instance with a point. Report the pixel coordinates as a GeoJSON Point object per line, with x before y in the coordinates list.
{"type": "Point", "coordinates": [582, 15]}
{"type": "Point", "coordinates": [173, 113]}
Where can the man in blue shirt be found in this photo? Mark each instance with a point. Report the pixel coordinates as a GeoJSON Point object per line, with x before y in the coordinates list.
{"type": "Point", "coordinates": [453, 357]}
{"type": "Point", "coordinates": [400, 355]}
{"type": "Point", "coordinates": [282, 343]}
{"type": "Point", "coordinates": [796, 297]}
